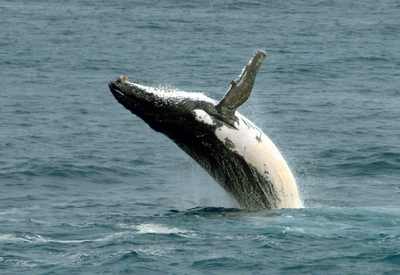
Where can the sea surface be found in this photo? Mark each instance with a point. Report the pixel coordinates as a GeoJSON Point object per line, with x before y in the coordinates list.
{"type": "Point", "coordinates": [88, 188]}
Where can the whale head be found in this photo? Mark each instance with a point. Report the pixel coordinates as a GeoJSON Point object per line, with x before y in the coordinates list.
{"type": "Point", "coordinates": [166, 110]}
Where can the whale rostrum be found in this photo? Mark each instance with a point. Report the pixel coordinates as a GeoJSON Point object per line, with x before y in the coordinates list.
{"type": "Point", "coordinates": [235, 152]}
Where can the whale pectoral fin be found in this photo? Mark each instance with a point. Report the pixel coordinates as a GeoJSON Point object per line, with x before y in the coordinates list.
{"type": "Point", "coordinates": [240, 89]}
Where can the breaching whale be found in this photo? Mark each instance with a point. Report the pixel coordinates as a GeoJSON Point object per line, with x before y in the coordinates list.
{"type": "Point", "coordinates": [235, 152]}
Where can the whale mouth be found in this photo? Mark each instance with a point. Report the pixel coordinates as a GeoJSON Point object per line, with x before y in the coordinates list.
{"type": "Point", "coordinates": [114, 88]}
{"type": "Point", "coordinates": [125, 89]}
{"type": "Point", "coordinates": [117, 92]}
{"type": "Point", "coordinates": [123, 94]}
{"type": "Point", "coordinates": [115, 85]}
{"type": "Point", "coordinates": [134, 97]}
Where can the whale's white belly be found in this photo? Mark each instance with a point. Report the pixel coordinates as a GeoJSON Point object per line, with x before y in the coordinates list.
{"type": "Point", "coordinates": [258, 150]}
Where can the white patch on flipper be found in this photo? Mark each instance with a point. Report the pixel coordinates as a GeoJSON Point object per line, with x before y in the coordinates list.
{"type": "Point", "coordinates": [202, 116]}
{"type": "Point", "coordinates": [259, 151]}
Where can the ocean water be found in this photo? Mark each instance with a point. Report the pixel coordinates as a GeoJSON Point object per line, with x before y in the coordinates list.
{"type": "Point", "coordinates": [88, 188]}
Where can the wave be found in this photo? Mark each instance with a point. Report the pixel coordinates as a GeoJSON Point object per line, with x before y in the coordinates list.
{"type": "Point", "coordinates": [363, 162]}
{"type": "Point", "coordinates": [149, 228]}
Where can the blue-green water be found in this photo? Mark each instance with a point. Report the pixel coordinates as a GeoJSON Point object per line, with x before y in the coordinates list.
{"type": "Point", "coordinates": [88, 188]}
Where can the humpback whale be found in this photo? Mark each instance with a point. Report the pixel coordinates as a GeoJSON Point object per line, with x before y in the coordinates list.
{"type": "Point", "coordinates": [234, 151]}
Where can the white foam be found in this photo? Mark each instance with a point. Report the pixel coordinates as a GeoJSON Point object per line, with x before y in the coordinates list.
{"type": "Point", "coordinates": [4, 238]}
{"type": "Point", "coordinates": [159, 229]}
{"type": "Point", "coordinates": [11, 238]}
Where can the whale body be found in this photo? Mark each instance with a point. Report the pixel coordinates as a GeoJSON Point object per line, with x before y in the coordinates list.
{"type": "Point", "coordinates": [235, 152]}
